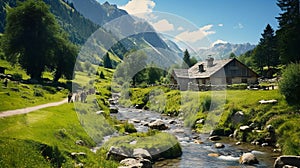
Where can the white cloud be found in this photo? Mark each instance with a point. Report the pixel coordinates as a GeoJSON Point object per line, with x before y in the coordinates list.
{"type": "Point", "coordinates": [220, 25]}
{"type": "Point", "coordinates": [197, 35]}
{"type": "Point", "coordinates": [180, 28]}
{"type": "Point", "coordinates": [139, 6]}
{"type": "Point", "coordinates": [218, 42]}
{"type": "Point", "coordinates": [239, 26]}
{"type": "Point", "coordinates": [163, 26]}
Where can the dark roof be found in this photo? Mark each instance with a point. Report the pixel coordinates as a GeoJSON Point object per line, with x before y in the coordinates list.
{"type": "Point", "coordinates": [181, 73]}
{"type": "Point", "coordinates": [208, 71]}
{"type": "Point", "coordinates": [194, 73]}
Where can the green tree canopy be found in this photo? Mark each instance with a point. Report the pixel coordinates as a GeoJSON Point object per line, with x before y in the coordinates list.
{"type": "Point", "coordinates": [34, 40]}
{"type": "Point", "coordinates": [187, 60]}
{"type": "Point", "coordinates": [107, 61]}
{"type": "Point", "coordinates": [290, 84]}
{"type": "Point", "coordinates": [288, 34]}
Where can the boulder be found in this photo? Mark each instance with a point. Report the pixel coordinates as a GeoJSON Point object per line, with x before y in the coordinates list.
{"type": "Point", "coordinates": [245, 128]}
{"type": "Point", "coordinates": [117, 153]}
{"type": "Point", "coordinates": [80, 142]}
{"type": "Point", "coordinates": [135, 163]}
{"type": "Point", "coordinates": [214, 138]}
{"type": "Point", "coordinates": [101, 112]}
{"type": "Point", "coordinates": [287, 160]}
{"type": "Point", "coordinates": [200, 121]}
{"type": "Point", "coordinates": [213, 155]}
{"type": "Point", "coordinates": [197, 141]}
{"type": "Point", "coordinates": [113, 109]}
{"type": "Point", "coordinates": [238, 117]}
{"type": "Point", "coordinates": [248, 158]}
{"type": "Point", "coordinates": [158, 124]}
{"type": "Point", "coordinates": [141, 153]}
{"type": "Point", "coordinates": [219, 145]}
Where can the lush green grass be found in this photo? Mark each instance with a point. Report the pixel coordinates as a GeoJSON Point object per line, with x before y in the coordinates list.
{"type": "Point", "coordinates": [167, 145]}
{"type": "Point", "coordinates": [24, 95]}
{"type": "Point", "coordinates": [218, 107]}
{"type": "Point", "coordinates": [56, 129]}
{"type": "Point", "coordinates": [18, 95]}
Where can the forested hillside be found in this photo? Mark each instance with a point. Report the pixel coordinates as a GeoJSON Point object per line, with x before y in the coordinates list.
{"type": "Point", "coordinates": [78, 27]}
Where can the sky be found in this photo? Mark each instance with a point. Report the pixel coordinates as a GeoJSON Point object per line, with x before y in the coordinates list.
{"type": "Point", "coordinates": [216, 21]}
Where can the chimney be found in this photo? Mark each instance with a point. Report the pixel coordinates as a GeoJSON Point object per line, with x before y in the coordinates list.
{"type": "Point", "coordinates": [210, 62]}
{"type": "Point", "coordinates": [201, 68]}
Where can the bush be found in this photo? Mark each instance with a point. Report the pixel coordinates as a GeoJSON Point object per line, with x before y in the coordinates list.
{"type": "Point", "coordinates": [289, 85]}
{"type": "Point", "coordinates": [17, 76]}
{"type": "Point", "coordinates": [38, 93]}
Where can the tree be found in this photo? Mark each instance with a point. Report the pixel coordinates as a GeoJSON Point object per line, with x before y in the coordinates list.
{"type": "Point", "coordinates": [107, 61]}
{"type": "Point", "coordinates": [265, 53]}
{"type": "Point", "coordinates": [290, 84]}
{"type": "Point", "coordinates": [288, 36]}
{"type": "Point", "coordinates": [32, 38]}
{"type": "Point", "coordinates": [65, 58]}
{"type": "Point", "coordinates": [186, 60]}
{"type": "Point", "coordinates": [232, 55]}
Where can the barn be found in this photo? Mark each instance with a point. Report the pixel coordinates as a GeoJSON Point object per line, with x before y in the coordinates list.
{"type": "Point", "coordinates": [214, 72]}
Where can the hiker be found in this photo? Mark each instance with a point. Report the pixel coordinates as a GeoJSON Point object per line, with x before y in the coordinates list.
{"type": "Point", "coordinates": [70, 97]}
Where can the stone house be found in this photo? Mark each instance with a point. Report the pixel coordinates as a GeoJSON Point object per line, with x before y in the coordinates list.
{"type": "Point", "coordinates": [214, 73]}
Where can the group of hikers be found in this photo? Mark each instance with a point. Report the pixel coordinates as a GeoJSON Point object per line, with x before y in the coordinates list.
{"type": "Point", "coordinates": [79, 96]}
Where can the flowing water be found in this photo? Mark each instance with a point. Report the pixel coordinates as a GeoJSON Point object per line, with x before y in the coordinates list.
{"type": "Point", "coordinates": [196, 155]}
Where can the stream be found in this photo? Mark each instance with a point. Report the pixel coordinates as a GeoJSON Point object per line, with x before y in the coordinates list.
{"type": "Point", "coordinates": [196, 155]}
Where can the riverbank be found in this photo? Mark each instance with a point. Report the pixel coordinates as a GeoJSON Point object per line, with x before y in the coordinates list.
{"type": "Point", "coordinates": [205, 111]}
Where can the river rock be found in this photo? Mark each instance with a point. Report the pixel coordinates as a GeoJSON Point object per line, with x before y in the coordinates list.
{"type": "Point", "coordinates": [80, 142]}
{"type": "Point", "coordinates": [135, 163]}
{"type": "Point", "coordinates": [117, 153]}
{"type": "Point", "coordinates": [158, 124]}
{"type": "Point", "coordinates": [200, 121]}
{"type": "Point", "coordinates": [248, 158]}
{"type": "Point", "coordinates": [213, 155]}
{"type": "Point", "coordinates": [238, 117]}
{"type": "Point", "coordinates": [141, 153]}
{"type": "Point", "coordinates": [113, 109]}
{"type": "Point", "coordinates": [214, 138]}
{"type": "Point", "coordinates": [219, 145]}
{"type": "Point", "coordinates": [287, 160]}
{"type": "Point", "coordinates": [197, 141]}
{"type": "Point", "coordinates": [245, 128]}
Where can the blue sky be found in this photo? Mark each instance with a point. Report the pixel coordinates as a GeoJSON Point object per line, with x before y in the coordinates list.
{"type": "Point", "coordinates": [234, 21]}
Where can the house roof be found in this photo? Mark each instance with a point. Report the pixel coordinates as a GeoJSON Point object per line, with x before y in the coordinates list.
{"type": "Point", "coordinates": [193, 72]}
{"type": "Point", "coordinates": [181, 73]}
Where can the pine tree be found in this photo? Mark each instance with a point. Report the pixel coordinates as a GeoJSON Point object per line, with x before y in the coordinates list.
{"type": "Point", "coordinates": [107, 61]}
{"type": "Point", "coordinates": [186, 59]}
{"type": "Point", "coordinates": [288, 34]}
{"type": "Point", "coordinates": [267, 49]}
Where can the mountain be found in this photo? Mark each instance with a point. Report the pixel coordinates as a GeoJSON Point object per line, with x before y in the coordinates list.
{"type": "Point", "coordinates": [78, 27]}
{"type": "Point", "coordinates": [223, 50]}
{"type": "Point", "coordinates": [99, 28]}
{"type": "Point", "coordinates": [99, 14]}
{"type": "Point", "coordinates": [127, 32]}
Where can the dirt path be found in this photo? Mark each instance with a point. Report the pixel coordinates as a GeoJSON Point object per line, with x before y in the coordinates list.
{"type": "Point", "coordinates": [30, 109]}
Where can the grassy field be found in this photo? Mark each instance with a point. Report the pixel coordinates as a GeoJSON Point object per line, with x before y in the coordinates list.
{"type": "Point", "coordinates": [20, 95]}
{"type": "Point", "coordinates": [49, 137]}
{"type": "Point", "coordinates": [218, 107]}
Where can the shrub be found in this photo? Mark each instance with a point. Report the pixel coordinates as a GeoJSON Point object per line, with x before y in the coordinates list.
{"type": "Point", "coordinates": [102, 75]}
{"type": "Point", "coordinates": [17, 76]}
{"type": "Point", "coordinates": [38, 93]}
{"type": "Point", "coordinates": [289, 85]}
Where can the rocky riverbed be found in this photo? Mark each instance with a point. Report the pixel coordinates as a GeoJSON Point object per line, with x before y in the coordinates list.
{"type": "Point", "coordinates": [198, 150]}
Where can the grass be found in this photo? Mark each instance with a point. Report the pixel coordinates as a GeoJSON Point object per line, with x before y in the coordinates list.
{"type": "Point", "coordinates": [18, 95]}
{"type": "Point", "coordinates": [56, 129]}
{"type": "Point", "coordinates": [218, 107]}
{"type": "Point", "coordinates": [166, 147]}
